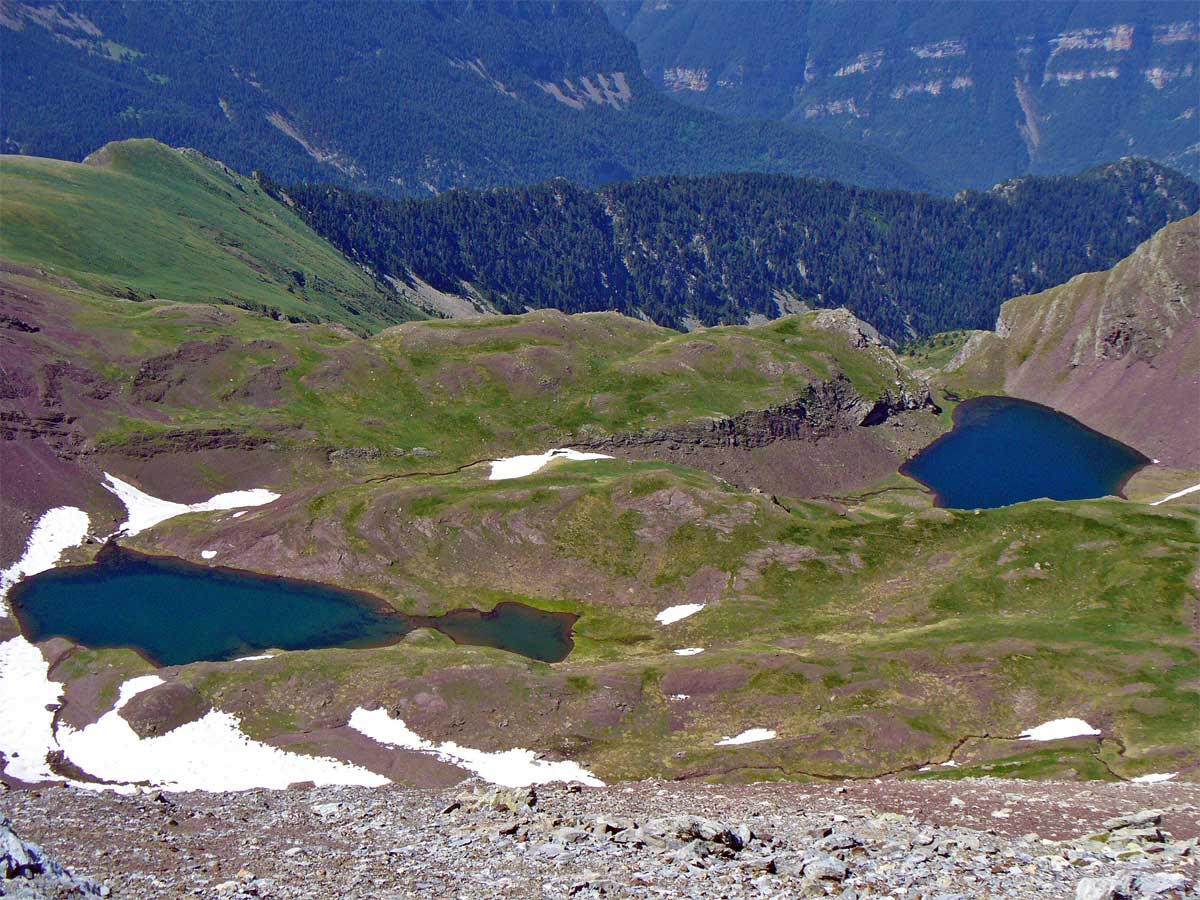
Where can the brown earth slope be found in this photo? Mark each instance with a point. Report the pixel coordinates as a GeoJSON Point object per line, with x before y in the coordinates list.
{"type": "Point", "coordinates": [1117, 350]}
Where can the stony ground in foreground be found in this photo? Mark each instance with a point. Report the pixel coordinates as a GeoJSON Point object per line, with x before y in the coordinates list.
{"type": "Point", "coordinates": [943, 839]}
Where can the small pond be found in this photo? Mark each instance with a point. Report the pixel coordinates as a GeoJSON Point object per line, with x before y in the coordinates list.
{"type": "Point", "coordinates": [175, 612]}
{"type": "Point", "coordinates": [1003, 451]}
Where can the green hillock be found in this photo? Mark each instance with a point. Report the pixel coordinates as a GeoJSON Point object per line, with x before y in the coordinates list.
{"type": "Point", "coordinates": [141, 220]}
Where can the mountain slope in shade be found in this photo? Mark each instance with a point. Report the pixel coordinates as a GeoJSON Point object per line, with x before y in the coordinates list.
{"type": "Point", "coordinates": [1118, 350]}
{"type": "Point", "coordinates": [977, 92]}
{"type": "Point", "coordinates": [399, 98]}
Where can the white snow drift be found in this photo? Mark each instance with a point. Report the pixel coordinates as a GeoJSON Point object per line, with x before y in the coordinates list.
{"type": "Point", "coordinates": [1177, 494]}
{"type": "Point", "coordinates": [1154, 777]}
{"type": "Point", "coordinates": [1057, 729]}
{"type": "Point", "coordinates": [26, 691]}
{"type": "Point", "coordinates": [510, 768]}
{"type": "Point", "coordinates": [675, 613]}
{"type": "Point", "coordinates": [209, 754]}
{"type": "Point", "coordinates": [689, 651]}
{"type": "Point", "coordinates": [57, 530]}
{"type": "Point", "coordinates": [146, 511]}
{"type": "Point", "coordinates": [749, 736]}
{"type": "Point", "coordinates": [520, 466]}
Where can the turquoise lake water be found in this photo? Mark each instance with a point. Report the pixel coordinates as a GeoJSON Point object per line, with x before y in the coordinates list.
{"type": "Point", "coordinates": [177, 612]}
{"type": "Point", "coordinates": [1004, 451]}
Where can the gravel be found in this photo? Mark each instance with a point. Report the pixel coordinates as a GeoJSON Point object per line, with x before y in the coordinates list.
{"type": "Point", "coordinates": [900, 839]}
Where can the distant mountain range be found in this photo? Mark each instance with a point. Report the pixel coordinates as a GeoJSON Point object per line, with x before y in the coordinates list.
{"type": "Point", "coordinates": [738, 248]}
{"type": "Point", "coordinates": [397, 98]}
{"type": "Point", "coordinates": [972, 92]}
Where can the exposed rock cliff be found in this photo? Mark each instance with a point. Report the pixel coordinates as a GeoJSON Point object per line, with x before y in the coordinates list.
{"type": "Point", "coordinates": [825, 407]}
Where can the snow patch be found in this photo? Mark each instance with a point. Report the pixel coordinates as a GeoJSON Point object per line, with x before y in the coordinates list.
{"type": "Point", "coordinates": [26, 724]}
{"type": "Point", "coordinates": [146, 511]}
{"type": "Point", "coordinates": [510, 768]}
{"type": "Point", "coordinates": [675, 613]}
{"type": "Point", "coordinates": [207, 554]}
{"type": "Point", "coordinates": [1177, 494]}
{"type": "Point", "coordinates": [1154, 777]}
{"type": "Point", "coordinates": [1058, 729]}
{"type": "Point", "coordinates": [689, 651]}
{"type": "Point", "coordinates": [209, 754]}
{"type": "Point", "coordinates": [255, 658]}
{"type": "Point", "coordinates": [57, 530]}
{"type": "Point", "coordinates": [750, 736]}
{"type": "Point", "coordinates": [520, 466]}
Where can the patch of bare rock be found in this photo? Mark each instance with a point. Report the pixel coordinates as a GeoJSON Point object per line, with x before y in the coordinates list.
{"type": "Point", "coordinates": [970, 838]}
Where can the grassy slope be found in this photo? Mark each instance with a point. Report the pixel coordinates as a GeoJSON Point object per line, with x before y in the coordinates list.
{"type": "Point", "coordinates": [141, 218]}
{"type": "Point", "coordinates": [465, 389]}
{"type": "Point", "coordinates": [871, 639]}
{"type": "Point", "coordinates": [886, 634]}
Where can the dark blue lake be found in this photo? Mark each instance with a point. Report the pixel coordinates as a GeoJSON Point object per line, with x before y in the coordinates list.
{"type": "Point", "coordinates": [1003, 451]}
{"type": "Point", "coordinates": [176, 612]}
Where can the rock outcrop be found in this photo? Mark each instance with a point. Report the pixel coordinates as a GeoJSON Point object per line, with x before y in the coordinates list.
{"type": "Point", "coordinates": [825, 407]}
{"type": "Point", "coordinates": [32, 874]}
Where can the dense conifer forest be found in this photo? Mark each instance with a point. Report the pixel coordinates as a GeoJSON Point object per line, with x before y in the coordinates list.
{"type": "Point", "coordinates": [721, 248]}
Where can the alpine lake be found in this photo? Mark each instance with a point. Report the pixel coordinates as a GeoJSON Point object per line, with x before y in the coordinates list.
{"type": "Point", "coordinates": [1003, 451]}
{"type": "Point", "coordinates": [175, 612]}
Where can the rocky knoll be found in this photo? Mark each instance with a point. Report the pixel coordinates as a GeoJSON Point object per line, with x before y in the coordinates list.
{"type": "Point", "coordinates": [944, 840]}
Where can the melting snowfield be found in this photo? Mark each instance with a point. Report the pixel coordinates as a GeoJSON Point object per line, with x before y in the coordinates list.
{"type": "Point", "coordinates": [145, 511]}
{"type": "Point", "coordinates": [520, 466]}
{"type": "Point", "coordinates": [675, 613]}
{"type": "Point", "coordinates": [1154, 777]}
{"type": "Point", "coordinates": [1177, 494]}
{"type": "Point", "coordinates": [511, 768]}
{"type": "Point", "coordinates": [27, 695]}
{"type": "Point", "coordinates": [209, 754]}
{"type": "Point", "coordinates": [750, 736]}
{"type": "Point", "coordinates": [1058, 729]}
{"type": "Point", "coordinates": [688, 651]}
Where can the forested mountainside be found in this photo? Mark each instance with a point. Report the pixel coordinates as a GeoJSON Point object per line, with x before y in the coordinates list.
{"type": "Point", "coordinates": [723, 248]}
{"type": "Point", "coordinates": [398, 98]}
{"type": "Point", "coordinates": [978, 92]}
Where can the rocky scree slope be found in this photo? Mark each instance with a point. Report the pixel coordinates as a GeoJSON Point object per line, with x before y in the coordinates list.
{"type": "Point", "coordinates": [971, 839]}
{"type": "Point", "coordinates": [1118, 350]}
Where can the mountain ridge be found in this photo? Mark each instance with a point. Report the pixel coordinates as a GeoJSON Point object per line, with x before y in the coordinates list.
{"type": "Point", "coordinates": [978, 91]}
{"type": "Point", "coordinates": [411, 100]}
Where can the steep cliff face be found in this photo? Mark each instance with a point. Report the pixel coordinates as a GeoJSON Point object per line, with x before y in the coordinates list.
{"type": "Point", "coordinates": [1119, 350]}
{"type": "Point", "coordinates": [974, 91]}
